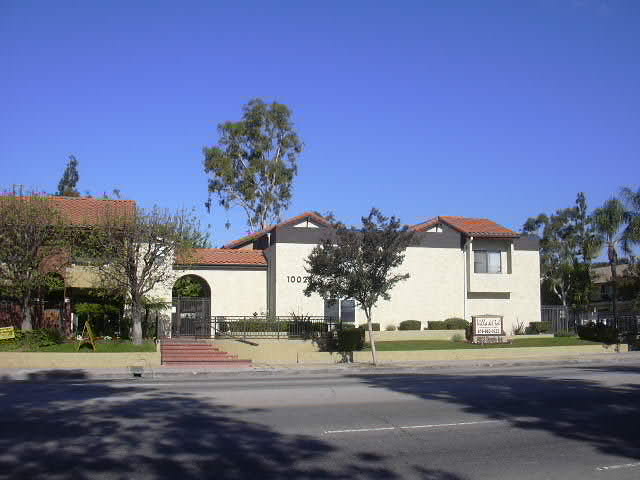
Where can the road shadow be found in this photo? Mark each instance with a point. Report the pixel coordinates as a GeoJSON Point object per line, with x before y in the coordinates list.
{"type": "Point", "coordinates": [50, 375]}
{"type": "Point", "coordinates": [606, 417]}
{"type": "Point", "coordinates": [631, 369]}
{"type": "Point", "coordinates": [100, 430]}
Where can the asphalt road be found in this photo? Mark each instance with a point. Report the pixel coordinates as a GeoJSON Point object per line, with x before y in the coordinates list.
{"type": "Point", "coordinates": [563, 423]}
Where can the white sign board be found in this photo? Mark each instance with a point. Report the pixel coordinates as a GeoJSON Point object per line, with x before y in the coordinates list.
{"type": "Point", "coordinates": [487, 325]}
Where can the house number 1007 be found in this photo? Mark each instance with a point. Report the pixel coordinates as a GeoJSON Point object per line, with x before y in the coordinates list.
{"type": "Point", "coordinates": [298, 279]}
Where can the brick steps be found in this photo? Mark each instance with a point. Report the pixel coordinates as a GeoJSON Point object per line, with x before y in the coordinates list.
{"type": "Point", "coordinates": [200, 354]}
{"type": "Point", "coordinates": [215, 364]}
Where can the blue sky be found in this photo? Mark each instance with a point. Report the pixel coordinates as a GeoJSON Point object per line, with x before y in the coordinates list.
{"type": "Point", "coordinates": [499, 109]}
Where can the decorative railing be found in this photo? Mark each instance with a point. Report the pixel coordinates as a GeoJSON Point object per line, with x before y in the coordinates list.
{"type": "Point", "coordinates": [294, 327]}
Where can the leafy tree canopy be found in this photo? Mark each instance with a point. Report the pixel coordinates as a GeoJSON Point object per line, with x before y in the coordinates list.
{"type": "Point", "coordinates": [360, 263]}
{"type": "Point", "coordinates": [569, 242]}
{"type": "Point", "coordinates": [33, 241]}
{"type": "Point", "coordinates": [255, 162]}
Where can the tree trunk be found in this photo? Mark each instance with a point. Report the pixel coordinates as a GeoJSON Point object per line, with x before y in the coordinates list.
{"type": "Point", "coordinates": [614, 284]}
{"type": "Point", "coordinates": [136, 318]}
{"type": "Point", "coordinates": [26, 314]}
{"type": "Point", "coordinates": [371, 340]}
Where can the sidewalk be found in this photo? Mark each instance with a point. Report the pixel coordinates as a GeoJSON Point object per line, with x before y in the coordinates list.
{"type": "Point", "coordinates": [262, 370]}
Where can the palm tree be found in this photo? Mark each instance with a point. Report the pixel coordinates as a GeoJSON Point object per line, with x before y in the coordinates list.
{"type": "Point", "coordinates": [631, 234]}
{"type": "Point", "coordinates": [608, 221]}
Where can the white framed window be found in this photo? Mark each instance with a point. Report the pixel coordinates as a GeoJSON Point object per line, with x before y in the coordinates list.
{"type": "Point", "coordinates": [487, 261]}
{"type": "Point", "coordinates": [344, 310]}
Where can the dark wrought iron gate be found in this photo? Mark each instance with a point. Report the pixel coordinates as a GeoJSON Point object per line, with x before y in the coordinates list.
{"type": "Point", "coordinates": [191, 317]}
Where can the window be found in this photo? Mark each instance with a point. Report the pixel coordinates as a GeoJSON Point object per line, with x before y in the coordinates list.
{"type": "Point", "coordinates": [331, 309]}
{"type": "Point", "coordinates": [487, 261]}
{"type": "Point", "coordinates": [345, 310]}
{"type": "Point", "coordinates": [348, 311]}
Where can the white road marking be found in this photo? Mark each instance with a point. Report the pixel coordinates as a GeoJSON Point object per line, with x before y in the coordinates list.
{"type": "Point", "coordinates": [409, 427]}
{"type": "Point", "coordinates": [615, 467]}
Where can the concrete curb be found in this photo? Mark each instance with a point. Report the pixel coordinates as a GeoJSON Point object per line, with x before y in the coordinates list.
{"type": "Point", "coordinates": [96, 374]}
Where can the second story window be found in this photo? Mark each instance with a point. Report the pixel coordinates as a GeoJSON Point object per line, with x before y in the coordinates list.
{"type": "Point", "coordinates": [487, 261]}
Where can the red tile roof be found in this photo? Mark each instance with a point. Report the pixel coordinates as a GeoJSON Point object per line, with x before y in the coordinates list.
{"type": "Point", "coordinates": [254, 236]}
{"type": "Point", "coordinates": [222, 256]}
{"type": "Point", "coordinates": [89, 211]}
{"type": "Point", "coordinates": [476, 227]}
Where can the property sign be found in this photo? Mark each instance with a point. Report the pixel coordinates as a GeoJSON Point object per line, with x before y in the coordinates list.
{"type": "Point", "coordinates": [87, 337]}
{"type": "Point", "coordinates": [487, 325]}
{"type": "Point", "coordinates": [7, 332]}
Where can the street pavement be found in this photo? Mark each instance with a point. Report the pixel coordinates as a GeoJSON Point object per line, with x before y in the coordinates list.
{"type": "Point", "coordinates": [571, 422]}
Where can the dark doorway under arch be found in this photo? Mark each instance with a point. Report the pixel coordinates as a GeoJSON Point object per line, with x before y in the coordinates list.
{"type": "Point", "coordinates": [191, 300]}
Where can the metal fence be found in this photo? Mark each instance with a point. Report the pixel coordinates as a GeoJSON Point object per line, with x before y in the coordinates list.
{"type": "Point", "coordinates": [563, 319]}
{"type": "Point", "coordinates": [272, 327]}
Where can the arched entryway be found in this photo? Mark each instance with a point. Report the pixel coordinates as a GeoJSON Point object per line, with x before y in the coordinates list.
{"type": "Point", "coordinates": [191, 299]}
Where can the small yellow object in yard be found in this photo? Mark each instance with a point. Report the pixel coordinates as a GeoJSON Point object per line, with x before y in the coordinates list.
{"type": "Point", "coordinates": [89, 340]}
{"type": "Point", "coordinates": [7, 332]}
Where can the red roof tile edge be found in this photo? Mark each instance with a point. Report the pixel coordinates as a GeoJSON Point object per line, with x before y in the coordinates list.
{"type": "Point", "coordinates": [250, 238]}
{"type": "Point", "coordinates": [222, 256]}
{"type": "Point", "coordinates": [479, 227]}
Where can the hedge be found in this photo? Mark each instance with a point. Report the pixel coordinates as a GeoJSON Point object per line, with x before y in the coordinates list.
{"type": "Point", "coordinates": [436, 325]}
{"type": "Point", "coordinates": [409, 325]}
{"type": "Point", "coordinates": [453, 323]}
{"type": "Point", "coordinates": [350, 339]}
{"type": "Point", "coordinates": [538, 327]}
{"type": "Point", "coordinates": [598, 333]}
{"type": "Point", "coordinates": [456, 323]}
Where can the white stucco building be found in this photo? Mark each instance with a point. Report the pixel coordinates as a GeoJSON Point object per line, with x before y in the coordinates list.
{"type": "Point", "coordinates": [459, 267]}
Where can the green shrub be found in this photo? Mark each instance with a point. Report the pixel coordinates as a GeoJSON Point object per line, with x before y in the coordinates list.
{"type": "Point", "coordinates": [374, 326]}
{"type": "Point", "coordinates": [539, 327]}
{"type": "Point", "coordinates": [457, 338]}
{"type": "Point", "coordinates": [34, 339]}
{"type": "Point", "coordinates": [409, 325]}
{"type": "Point", "coordinates": [390, 328]}
{"type": "Point", "coordinates": [437, 325]}
{"type": "Point", "coordinates": [564, 333]}
{"type": "Point", "coordinates": [456, 323]}
{"type": "Point", "coordinates": [350, 339]}
{"type": "Point", "coordinates": [598, 333]}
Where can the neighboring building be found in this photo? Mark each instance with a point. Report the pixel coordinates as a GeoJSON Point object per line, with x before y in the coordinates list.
{"type": "Point", "coordinates": [56, 309]}
{"type": "Point", "coordinates": [461, 267]}
{"type": "Point", "coordinates": [602, 289]}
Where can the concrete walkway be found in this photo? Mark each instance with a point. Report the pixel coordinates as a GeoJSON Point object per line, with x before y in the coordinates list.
{"type": "Point", "coordinates": [46, 375]}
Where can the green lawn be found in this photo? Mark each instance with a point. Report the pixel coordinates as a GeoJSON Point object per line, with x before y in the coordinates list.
{"type": "Point", "coordinates": [448, 345]}
{"type": "Point", "coordinates": [111, 347]}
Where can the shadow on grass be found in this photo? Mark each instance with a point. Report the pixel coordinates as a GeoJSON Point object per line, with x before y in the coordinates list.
{"type": "Point", "coordinates": [98, 430]}
{"type": "Point", "coordinates": [606, 417]}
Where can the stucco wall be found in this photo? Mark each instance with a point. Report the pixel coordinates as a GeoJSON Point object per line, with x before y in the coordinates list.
{"type": "Point", "coordinates": [290, 262]}
{"type": "Point", "coordinates": [434, 291]}
{"type": "Point", "coordinates": [233, 291]}
{"type": "Point", "coordinates": [522, 303]}
{"type": "Point", "coordinates": [79, 360]}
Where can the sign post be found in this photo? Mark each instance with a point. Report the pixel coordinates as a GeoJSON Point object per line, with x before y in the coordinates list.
{"type": "Point", "coordinates": [487, 329]}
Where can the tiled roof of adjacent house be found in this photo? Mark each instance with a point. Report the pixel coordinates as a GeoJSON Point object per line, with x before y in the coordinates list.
{"type": "Point", "coordinates": [88, 211]}
{"type": "Point", "coordinates": [91, 211]}
{"type": "Point", "coordinates": [222, 256]}
{"type": "Point", "coordinates": [476, 227]}
{"type": "Point", "coordinates": [291, 221]}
